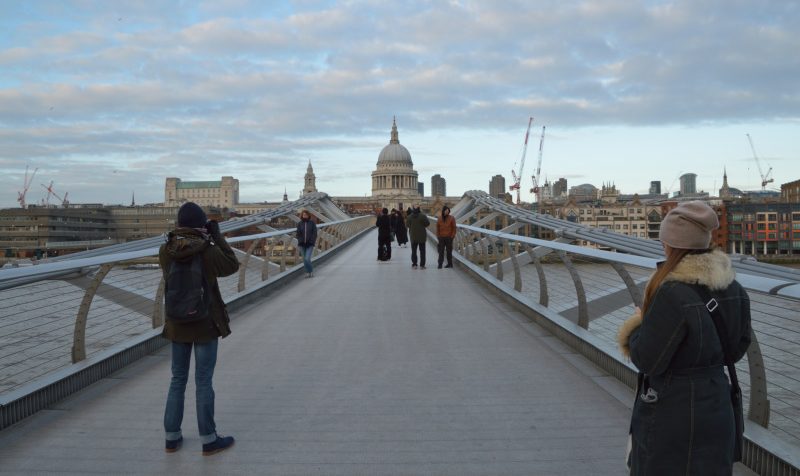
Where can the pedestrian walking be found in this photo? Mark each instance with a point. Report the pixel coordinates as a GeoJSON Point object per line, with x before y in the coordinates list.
{"type": "Point", "coordinates": [191, 260]}
{"type": "Point", "coordinates": [694, 321]}
{"type": "Point", "coordinates": [393, 221]}
{"type": "Point", "coordinates": [306, 239]}
{"type": "Point", "coordinates": [400, 229]}
{"type": "Point", "coordinates": [384, 224]}
{"type": "Point", "coordinates": [446, 232]}
{"type": "Point", "coordinates": [417, 223]}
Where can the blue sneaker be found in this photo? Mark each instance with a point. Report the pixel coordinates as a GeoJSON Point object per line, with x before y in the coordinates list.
{"type": "Point", "coordinates": [173, 445]}
{"type": "Point", "coordinates": [222, 443]}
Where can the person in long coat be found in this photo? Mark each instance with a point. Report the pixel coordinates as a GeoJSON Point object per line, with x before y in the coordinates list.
{"type": "Point", "coordinates": [683, 419]}
{"type": "Point", "coordinates": [400, 229]}
{"type": "Point", "coordinates": [384, 224]}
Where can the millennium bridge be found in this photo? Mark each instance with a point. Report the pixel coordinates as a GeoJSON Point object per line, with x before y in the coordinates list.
{"type": "Point", "coordinates": [506, 364]}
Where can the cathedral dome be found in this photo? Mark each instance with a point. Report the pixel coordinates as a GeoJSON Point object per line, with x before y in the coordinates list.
{"type": "Point", "coordinates": [394, 153]}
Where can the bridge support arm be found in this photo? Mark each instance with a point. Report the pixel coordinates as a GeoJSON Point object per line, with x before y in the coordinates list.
{"type": "Point", "coordinates": [79, 336]}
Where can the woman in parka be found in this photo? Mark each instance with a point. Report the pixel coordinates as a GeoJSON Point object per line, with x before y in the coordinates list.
{"type": "Point", "coordinates": [683, 416]}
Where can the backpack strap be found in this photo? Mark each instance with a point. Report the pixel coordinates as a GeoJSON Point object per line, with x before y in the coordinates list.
{"type": "Point", "coordinates": [736, 392]}
{"type": "Point", "coordinates": [722, 332]}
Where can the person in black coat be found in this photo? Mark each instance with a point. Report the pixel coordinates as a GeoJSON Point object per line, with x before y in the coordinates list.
{"type": "Point", "coordinates": [384, 224]}
{"type": "Point", "coordinates": [684, 421]}
{"type": "Point", "coordinates": [400, 230]}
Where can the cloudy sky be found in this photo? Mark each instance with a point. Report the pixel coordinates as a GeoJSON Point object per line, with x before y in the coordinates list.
{"type": "Point", "coordinates": [110, 98]}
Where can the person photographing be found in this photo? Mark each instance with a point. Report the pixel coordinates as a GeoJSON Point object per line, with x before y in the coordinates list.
{"type": "Point", "coordinates": [191, 260]}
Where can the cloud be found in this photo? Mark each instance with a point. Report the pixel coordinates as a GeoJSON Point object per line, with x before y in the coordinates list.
{"type": "Point", "coordinates": [242, 82]}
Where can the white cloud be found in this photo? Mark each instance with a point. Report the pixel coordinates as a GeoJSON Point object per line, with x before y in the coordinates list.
{"type": "Point", "coordinates": [241, 83]}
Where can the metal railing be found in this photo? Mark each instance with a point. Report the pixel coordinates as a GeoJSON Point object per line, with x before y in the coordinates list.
{"type": "Point", "coordinates": [109, 302]}
{"type": "Point", "coordinates": [583, 295]}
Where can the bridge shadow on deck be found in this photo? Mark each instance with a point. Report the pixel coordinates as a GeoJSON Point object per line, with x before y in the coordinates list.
{"type": "Point", "coordinates": [368, 368]}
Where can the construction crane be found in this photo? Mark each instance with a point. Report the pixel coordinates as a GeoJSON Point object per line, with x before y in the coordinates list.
{"type": "Point", "coordinates": [669, 189]}
{"type": "Point", "coordinates": [535, 177]}
{"type": "Point", "coordinates": [26, 186]}
{"type": "Point", "coordinates": [518, 176]}
{"type": "Point", "coordinates": [50, 191]}
{"type": "Point", "coordinates": [765, 178]}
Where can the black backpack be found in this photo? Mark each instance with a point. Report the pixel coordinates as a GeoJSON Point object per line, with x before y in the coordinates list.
{"type": "Point", "coordinates": [187, 297]}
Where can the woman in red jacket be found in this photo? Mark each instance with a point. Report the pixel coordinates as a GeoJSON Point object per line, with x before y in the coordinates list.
{"type": "Point", "coordinates": [446, 231]}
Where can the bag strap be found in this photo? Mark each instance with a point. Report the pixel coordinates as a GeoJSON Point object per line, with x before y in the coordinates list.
{"type": "Point", "coordinates": [722, 333]}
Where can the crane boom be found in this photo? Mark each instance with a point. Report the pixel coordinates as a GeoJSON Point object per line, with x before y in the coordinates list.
{"type": "Point", "coordinates": [535, 177]}
{"type": "Point", "coordinates": [50, 191]}
{"type": "Point", "coordinates": [765, 178]}
{"type": "Point", "coordinates": [518, 176]}
{"type": "Point", "coordinates": [25, 187]}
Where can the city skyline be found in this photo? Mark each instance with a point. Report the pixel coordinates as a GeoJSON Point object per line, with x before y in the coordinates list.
{"type": "Point", "coordinates": [109, 100]}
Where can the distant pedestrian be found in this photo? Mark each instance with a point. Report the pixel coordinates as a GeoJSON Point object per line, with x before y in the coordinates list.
{"type": "Point", "coordinates": [195, 236]}
{"type": "Point", "coordinates": [417, 223]}
{"type": "Point", "coordinates": [401, 232]}
{"type": "Point", "coordinates": [694, 321]}
{"type": "Point", "coordinates": [446, 232]}
{"type": "Point", "coordinates": [306, 239]}
{"type": "Point", "coordinates": [393, 221]}
{"type": "Point", "coordinates": [384, 224]}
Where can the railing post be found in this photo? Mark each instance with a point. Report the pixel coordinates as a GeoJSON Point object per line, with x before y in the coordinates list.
{"type": "Point", "coordinates": [583, 308]}
{"type": "Point", "coordinates": [517, 271]}
{"type": "Point", "coordinates": [544, 299]}
{"type": "Point", "coordinates": [283, 254]}
{"type": "Point", "coordinates": [759, 400]}
{"type": "Point", "coordinates": [485, 250]}
{"type": "Point", "coordinates": [79, 336]}
{"type": "Point", "coordinates": [268, 261]}
{"type": "Point", "coordinates": [498, 260]}
{"type": "Point", "coordinates": [633, 289]}
{"type": "Point", "coordinates": [243, 264]}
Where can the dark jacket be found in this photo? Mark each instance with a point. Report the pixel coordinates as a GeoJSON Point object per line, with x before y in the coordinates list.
{"type": "Point", "coordinates": [218, 261]}
{"type": "Point", "coordinates": [384, 224]}
{"type": "Point", "coordinates": [306, 233]}
{"type": "Point", "coordinates": [689, 429]}
{"type": "Point", "coordinates": [417, 222]}
{"type": "Point", "coordinates": [400, 229]}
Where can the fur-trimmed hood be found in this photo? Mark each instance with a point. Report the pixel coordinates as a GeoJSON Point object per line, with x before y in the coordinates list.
{"type": "Point", "coordinates": [713, 270]}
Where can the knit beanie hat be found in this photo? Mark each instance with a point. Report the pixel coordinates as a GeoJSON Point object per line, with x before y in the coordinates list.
{"type": "Point", "coordinates": [688, 226]}
{"type": "Point", "coordinates": [190, 215]}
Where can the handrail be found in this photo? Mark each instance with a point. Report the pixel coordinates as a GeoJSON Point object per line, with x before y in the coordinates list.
{"type": "Point", "coordinates": [10, 274]}
{"type": "Point", "coordinates": [774, 286]}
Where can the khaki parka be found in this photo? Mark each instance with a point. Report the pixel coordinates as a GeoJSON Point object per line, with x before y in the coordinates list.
{"type": "Point", "coordinates": [218, 261]}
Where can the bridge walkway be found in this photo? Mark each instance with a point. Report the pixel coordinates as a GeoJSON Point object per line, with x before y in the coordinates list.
{"type": "Point", "coordinates": [368, 368]}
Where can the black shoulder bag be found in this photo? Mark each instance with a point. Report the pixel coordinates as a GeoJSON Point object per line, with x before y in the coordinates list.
{"type": "Point", "coordinates": [736, 391]}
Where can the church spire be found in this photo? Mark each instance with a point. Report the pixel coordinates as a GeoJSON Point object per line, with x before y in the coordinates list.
{"type": "Point", "coordinates": [395, 139]}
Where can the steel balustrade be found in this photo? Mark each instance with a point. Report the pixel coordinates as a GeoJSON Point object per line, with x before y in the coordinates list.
{"type": "Point", "coordinates": [71, 270]}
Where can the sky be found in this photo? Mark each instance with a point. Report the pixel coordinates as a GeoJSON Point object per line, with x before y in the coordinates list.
{"type": "Point", "coordinates": [107, 99]}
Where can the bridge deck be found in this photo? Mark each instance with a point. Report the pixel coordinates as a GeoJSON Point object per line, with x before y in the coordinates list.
{"type": "Point", "coordinates": [368, 368]}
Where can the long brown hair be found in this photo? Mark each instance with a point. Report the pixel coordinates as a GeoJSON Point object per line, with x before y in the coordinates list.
{"type": "Point", "coordinates": [674, 256]}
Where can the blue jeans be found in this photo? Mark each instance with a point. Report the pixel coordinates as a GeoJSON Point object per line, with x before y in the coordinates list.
{"type": "Point", "coordinates": [306, 252]}
{"type": "Point", "coordinates": [205, 359]}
